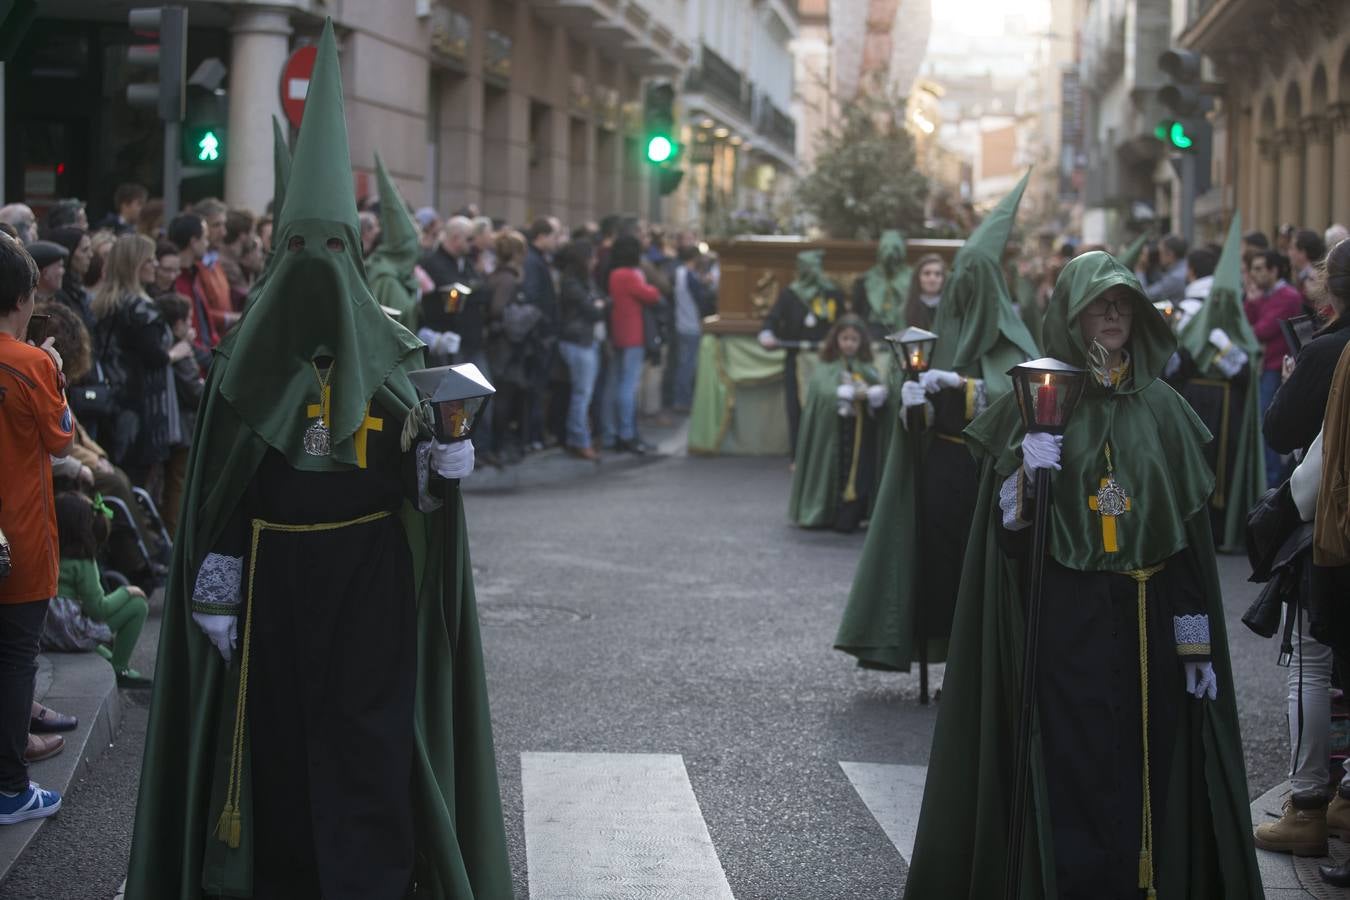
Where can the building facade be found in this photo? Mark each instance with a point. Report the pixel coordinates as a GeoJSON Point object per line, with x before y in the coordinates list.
{"type": "Point", "coordinates": [521, 107]}
{"type": "Point", "coordinates": [1282, 122]}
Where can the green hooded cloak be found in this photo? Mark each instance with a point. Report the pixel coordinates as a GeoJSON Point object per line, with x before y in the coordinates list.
{"type": "Point", "coordinates": [1129, 257]}
{"type": "Point", "coordinates": [817, 483]}
{"type": "Point", "coordinates": [1236, 491]}
{"type": "Point", "coordinates": [887, 283]}
{"type": "Point", "coordinates": [390, 265]}
{"type": "Point", "coordinates": [961, 845]}
{"type": "Point", "coordinates": [980, 336]}
{"type": "Point", "coordinates": [315, 297]}
{"type": "Point", "coordinates": [281, 168]}
{"type": "Point", "coordinates": [811, 278]}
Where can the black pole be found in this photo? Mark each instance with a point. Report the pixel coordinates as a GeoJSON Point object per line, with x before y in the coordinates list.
{"type": "Point", "coordinates": [916, 428]}
{"type": "Point", "coordinates": [1012, 885]}
{"type": "Point", "coordinates": [450, 507]}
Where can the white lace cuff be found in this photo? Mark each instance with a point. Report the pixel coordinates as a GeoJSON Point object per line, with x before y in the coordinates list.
{"type": "Point", "coordinates": [426, 501]}
{"type": "Point", "coordinates": [1011, 499]}
{"type": "Point", "coordinates": [1192, 635]}
{"type": "Point", "coordinates": [217, 588]}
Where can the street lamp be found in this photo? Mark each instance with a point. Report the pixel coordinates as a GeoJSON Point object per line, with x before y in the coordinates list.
{"type": "Point", "coordinates": [913, 350]}
{"type": "Point", "coordinates": [1047, 392]}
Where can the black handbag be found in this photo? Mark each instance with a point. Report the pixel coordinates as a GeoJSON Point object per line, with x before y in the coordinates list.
{"type": "Point", "coordinates": [1269, 525]}
{"type": "Point", "coordinates": [94, 399]}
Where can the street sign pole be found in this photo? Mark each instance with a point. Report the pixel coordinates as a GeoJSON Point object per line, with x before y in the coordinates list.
{"type": "Point", "coordinates": [172, 175]}
{"type": "Point", "coordinates": [1188, 197]}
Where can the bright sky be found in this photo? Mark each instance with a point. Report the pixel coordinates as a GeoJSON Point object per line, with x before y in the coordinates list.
{"type": "Point", "coordinates": [972, 36]}
{"type": "Point", "coordinates": [971, 18]}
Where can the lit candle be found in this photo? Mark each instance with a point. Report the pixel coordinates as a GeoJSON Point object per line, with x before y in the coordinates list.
{"type": "Point", "coordinates": [916, 361]}
{"type": "Point", "coordinates": [1047, 403]}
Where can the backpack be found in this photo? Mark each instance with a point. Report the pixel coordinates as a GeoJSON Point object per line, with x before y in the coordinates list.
{"type": "Point", "coordinates": [519, 318]}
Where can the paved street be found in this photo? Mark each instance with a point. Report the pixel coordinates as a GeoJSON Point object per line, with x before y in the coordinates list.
{"type": "Point", "coordinates": [658, 649]}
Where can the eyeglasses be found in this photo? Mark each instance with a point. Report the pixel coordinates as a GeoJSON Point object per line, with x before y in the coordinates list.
{"type": "Point", "coordinates": [1123, 308]}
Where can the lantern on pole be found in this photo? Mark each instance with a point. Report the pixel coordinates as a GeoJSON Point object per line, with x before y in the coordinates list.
{"type": "Point", "coordinates": [1047, 392]}
{"type": "Point", "coordinates": [453, 399]}
{"type": "Point", "coordinates": [913, 349]}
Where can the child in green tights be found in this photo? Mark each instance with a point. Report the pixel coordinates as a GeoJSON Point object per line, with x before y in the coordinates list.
{"type": "Point", "coordinates": [83, 529]}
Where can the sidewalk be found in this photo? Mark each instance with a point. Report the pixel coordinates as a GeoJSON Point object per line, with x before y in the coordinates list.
{"type": "Point", "coordinates": [1287, 877]}
{"type": "Point", "coordinates": [83, 685]}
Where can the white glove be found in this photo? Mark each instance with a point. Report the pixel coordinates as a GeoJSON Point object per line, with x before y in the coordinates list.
{"type": "Point", "coordinates": [767, 340]}
{"type": "Point", "coordinates": [1220, 339]}
{"type": "Point", "coordinates": [448, 344]}
{"type": "Point", "coordinates": [876, 396]}
{"type": "Point", "coordinates": [223, 631]}
{"type": "Point", "coordinates": [454, 460]}
{"type": "Point", "coordinates": [1201, 681]}
{"type": "Point", "coordinates": [1041, 451]}
{"type": "Point", "coordinates": [911, 394]}
{"type": "Point", "coordinates": [846, 392]}
{"type": "Point", "coordinates": [935, 380]}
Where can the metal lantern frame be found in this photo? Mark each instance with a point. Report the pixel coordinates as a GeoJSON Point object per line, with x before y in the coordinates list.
{"type": "Point", "coordinates": [1047, 391]}
{"type": "Point", "coordinates": [449, 393]}
{"type": "Point", "coordinates": [913, 349]}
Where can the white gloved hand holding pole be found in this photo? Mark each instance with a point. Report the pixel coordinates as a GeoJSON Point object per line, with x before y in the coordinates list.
{"type": "Point", "coordinates": [453, 460]}
{"type": "Point", "coordinates": [1220, 339]}
{"type": "Point", "coordinates": [912, 395]}
{"type": "Point", "coordinates": [223, 631]}
{"type": "Point", "coordinates": [846, 392]}
{"type": "Point", "coordinates": [1201, 682]}
{"type": "Point", "coordinates": [935, 380]}
{"type": "Point", "coordinates": [1041, 450]}
{"type": "Point", "coordinates": [876, 396]}
{"type": "Point", "coordinates": [767, 340]}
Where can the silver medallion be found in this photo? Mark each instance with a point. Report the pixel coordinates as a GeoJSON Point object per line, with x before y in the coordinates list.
{"type": "Point", "coordinates": [316, 439]}
{"type": "Point", "coordinates": [810, 320]}
{"type": "Point", "coordinates": [1111, 499]}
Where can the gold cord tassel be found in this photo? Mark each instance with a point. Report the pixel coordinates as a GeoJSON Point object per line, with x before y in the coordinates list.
{"type": "Point", "coordinates": [1141, 577]}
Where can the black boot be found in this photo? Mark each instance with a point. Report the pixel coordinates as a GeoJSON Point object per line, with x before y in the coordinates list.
{"type": "Point", "coordinates": [1337, 875]}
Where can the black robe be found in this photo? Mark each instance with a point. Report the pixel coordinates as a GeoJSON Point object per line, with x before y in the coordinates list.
{"type": "Point", "coordinates": [948, 489]}
{"type": "Point", "coordinates": [1220, 405]}
{"type": "Point", "coordinates": [792, 319]}
{"type": "Point", "coordinates": [850, 513]}
{"type": "Point", "coordinates": [331, 669]}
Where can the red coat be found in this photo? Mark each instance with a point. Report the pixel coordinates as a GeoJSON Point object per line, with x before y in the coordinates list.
{"type": "Point", "coordinates": [1265, 314]}
{"type": "Point", "coordinates": [629, 291]}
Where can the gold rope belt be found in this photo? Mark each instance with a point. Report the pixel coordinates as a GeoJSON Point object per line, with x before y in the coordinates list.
{"type": "Point", "coordinates": [950, 438]}
{"type": "Point", "coordinates": [1141, 577]}
{"type": "Point", "coordinates": [229, 825]}
{"type": "Point", "coordinates": [851, 489]}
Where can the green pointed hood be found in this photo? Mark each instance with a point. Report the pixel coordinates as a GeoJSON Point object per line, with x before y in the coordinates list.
{"type": "Point", "coordinates": [1083, 280]}
{"type": "Point", "coordinates": [887, 288]}
{"type": "Point", "coordinates": [976, 311]}
{"type": "Point", "coordinates": [1129, 257]}
{"type": "Point", "coordinates": [811, 278]}
{"type": "Point", "coordinates": [399, 236]}
{"type": "Point", "coordinates": [281, 169]}
{"type": "Point", "coordinates": [315, 300]}
{"type": "Point", "coordinates": [1223, 308]}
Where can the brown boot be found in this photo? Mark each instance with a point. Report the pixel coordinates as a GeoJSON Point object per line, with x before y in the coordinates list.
{"type": "Point", "coordinates": [43, 746]}
{"type": "Point", "coordinates": [1302, 830]}
{"type": "Point", "coordinates": [1338, 813]}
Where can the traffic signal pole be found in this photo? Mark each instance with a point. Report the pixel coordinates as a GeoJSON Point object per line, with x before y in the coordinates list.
{"type": "Point", "coordinates": [173, 175]}
{"type": "Point", "coordinates": [1187, 216]}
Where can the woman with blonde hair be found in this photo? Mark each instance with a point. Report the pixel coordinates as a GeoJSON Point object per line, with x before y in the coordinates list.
{"type": "Point", "coordinates": [136, 349]}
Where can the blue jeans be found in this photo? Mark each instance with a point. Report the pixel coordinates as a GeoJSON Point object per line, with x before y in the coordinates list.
{"type": "Point", "coordinates": [583, 365]}
{"type": "Point", "coordinates": [618, 412]}
{"type": "Point", "coordinates": [1270, 383]}
{"type": "Point", "coordinates": [686, 365]}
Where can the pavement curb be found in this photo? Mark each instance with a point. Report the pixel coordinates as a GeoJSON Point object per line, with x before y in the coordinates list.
{"type": "Point", "coordinates": [83, 685]}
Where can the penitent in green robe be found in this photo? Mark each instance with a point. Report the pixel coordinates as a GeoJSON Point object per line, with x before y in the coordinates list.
{"type": "Point", "coordinates": [313, 297]}
{"type": "Point", "coordinates": [1204, 841]}
{"type": "Point", "coordinates": [389, 268]}
{"type": "Point", "coordinates": [980, 336]}
{"type": "Point", "coordinates": [835, 463]}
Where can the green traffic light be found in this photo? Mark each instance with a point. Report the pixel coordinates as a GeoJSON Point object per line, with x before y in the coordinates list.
{"type": "Point", "coordinates": [208, 148]}
{"type": "Point", "coordinates": [659, 148]}
{"type": "Point", "coordinates": [1178, 136]}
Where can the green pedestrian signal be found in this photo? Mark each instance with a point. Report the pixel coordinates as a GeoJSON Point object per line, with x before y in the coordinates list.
{"type": "Point", "coordinates": [208, 148]}
{"type": "Point", "coordinates": [659, 148]}
{"type": "Point", "coordinates": [1174, 134]}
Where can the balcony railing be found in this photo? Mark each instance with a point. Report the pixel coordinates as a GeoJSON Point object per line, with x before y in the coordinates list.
{"type": "Point", "coordinates": [717, 78]}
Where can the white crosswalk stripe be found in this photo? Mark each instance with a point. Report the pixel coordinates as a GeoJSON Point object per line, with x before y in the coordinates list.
{"type": "Point", "coordinates": [616, 825]}
{"type": "Point", "coordinates": [893, 794]}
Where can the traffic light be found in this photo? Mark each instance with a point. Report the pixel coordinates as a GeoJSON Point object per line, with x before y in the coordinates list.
{"type": "Point", "coordinates": [658, 123]}
{"type": "Point", "coordinates": [1174, 134]}
{"type": "Point", "coordinates": [204, 131]}
{"type": "Point", "coordinates": [166, 27]}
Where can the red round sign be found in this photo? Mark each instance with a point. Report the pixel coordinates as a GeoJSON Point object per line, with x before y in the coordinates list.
{"type": "Point", "coordinates": [295, 82]}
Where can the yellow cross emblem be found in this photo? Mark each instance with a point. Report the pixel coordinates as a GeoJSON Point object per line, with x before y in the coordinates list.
{"type": "Point", "coordinates": [1109, 503]}
{"type": "Point", "coordinates": [368, 425]}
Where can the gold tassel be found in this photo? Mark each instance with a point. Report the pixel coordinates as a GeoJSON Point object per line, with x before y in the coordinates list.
{"type": "Point", "coordinates": [1141, 577]}
{"type": "Point", "coordinates": [1145, 870]}
{"type": "Point", "coordinates": [223, 823]}
{"type": "Point", "coordinates": [236, 826]}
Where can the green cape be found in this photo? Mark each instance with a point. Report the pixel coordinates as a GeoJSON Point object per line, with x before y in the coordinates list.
{"type": "Point", "coordinates": [975, 316]}
{"type": "Point", "coordinates": [389, 267]}
{"type": "Point", "coordinates": [888, 289]}
{"type": "Point", "coordinates": [811, 278]}
{"type": "Point", "coordinates": [1224, 310]}
{"type": "Point", "coordinates": [815, 480]}
{"type": "Point", "coordinates": [961, 845]}
{"type": "Point", "coordinates": [457, 808]}
{"type": "Point", "coordinates": [281, 169]}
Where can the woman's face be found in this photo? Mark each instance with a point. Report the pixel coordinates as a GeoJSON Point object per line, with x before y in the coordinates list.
{"type": "Point", "coordinates": [1108, 318]}
{"type": "Point", "coordinates": [167, 271]}
{"type": "Point", "coordinates": [145, 274]}
{"type": "Point", "coordinates": [849, 342]}
{"type": "Point", "coordinates": [79, 260]}
{"type": "Point", "coordinates": [931, 277]}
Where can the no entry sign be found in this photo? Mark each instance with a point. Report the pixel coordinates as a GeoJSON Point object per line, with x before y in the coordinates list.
{"type": "Point", "coordinates": [295, 83]}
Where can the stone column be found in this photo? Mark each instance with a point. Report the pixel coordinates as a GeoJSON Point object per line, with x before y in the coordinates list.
{"type": "Point", "coordinates": [259, 48]}
{"type": "Point", "coordinates": [1339, 188]}
{"type": "Point", "coordinates": [1267, 212]}
{"type": "Point", "coordinates": [1317, 179]}
{"type": "Point", "coordinates": [1290, 205]}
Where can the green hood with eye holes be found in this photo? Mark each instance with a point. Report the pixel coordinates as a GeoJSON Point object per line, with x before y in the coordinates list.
{"type": "Point", "coordinates": [315, 300]}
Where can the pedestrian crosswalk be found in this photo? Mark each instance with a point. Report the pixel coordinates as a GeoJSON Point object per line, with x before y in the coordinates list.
{"type": "Point", "coordinates": [628, 825]}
